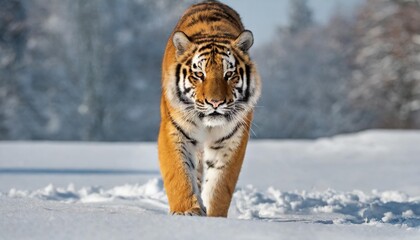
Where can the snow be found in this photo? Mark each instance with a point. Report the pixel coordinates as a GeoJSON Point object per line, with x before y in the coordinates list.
{"type": "Point", "coordinates": [357, 186]}
{"type": "Point", "coordinates": [248, 203]}
{"type": "Point", "coordinates": [352, 207]}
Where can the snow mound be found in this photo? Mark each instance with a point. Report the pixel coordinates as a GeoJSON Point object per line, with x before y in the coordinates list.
{"type": "Point", "coordinates": [332, 207]}
{"type": "Point", "coordinates": [352, 207]}
{"type": "Point", "coordinates": [153, 190]}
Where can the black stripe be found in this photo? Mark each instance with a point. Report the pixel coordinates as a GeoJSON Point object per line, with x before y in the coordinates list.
{"type": "Point", "coordinates": [192, 162]}
{"type": "Point", "coordinates": [177, 72]}
{"type": "Point", "coordinates": [238, 55]}
{"type": "Point", "coordinates": [234, 94]}
{"type": "Point", "coordinates": [229, 116]}
{"type": "Point", "coordinates": [205, 47]}
{"type": "Point", "coordinates": [239, 90]}
{"type": "Point", "coordinates": [188, 55]}
{"type": "Point", "coordinates": [224, 54]}
{"type": "Point", "coordinates": [208, 53]}
{"type": "Point", "coordinates": [212, 165]}
{"type": "Point", "coordinates": [179, 128]}
{"type": "Point", "coordinates": [192, 122]}
{"type": "Point", "coordinates": [248, 81]}
{"type": "Point", "coordinates": [189, 162]}
{"type": "Point", "coordinates": [196, 35]}
{"type": "Point", "coordinates": [241, 72]}
{"type": "Point", "coordinates": [203, 19]}
{"type": "Point", "coordinates": [211, 40]}
{"type": "Point", "coordinates": [186, 157]}
{"type": "Point", "coordinates": [216, 9]}
{"type": "Point", "coordinates": [193, 22]}
{"type": "Point", "coordinates": [187, 90]}
{"type": "Point", "coordinates": [211, 37]}
{"type": "Point", "coordinates": [229, 135]}
{"type": "Point", "coordinates": [178, 78]}
{"type": "Point", "coordinates": [188, 165]}
{"type": "Point", "coordinates": [212, 46]}
{"type": "Point", "coordinates": [216, 147]}
{"type": "Point", "coordinates": [234, 19]}
{"type": "Point", "coordinates": [201, 7]}
{"type": "Point", "coordinates": [221, 167]}
{"type": "Point", "coordinates": [229, 18]}
{"type": "Point", "coordinates": [184, 75]}
{"type": "Point", "coordinates": [223, 36]}
{"type": "Point", "coordinates": [178, 90]}
{"type": "Point", "coordinates": [195, 9]}
{"type": "Point", "coordinates": [225, 13]}
{"type": "Point", "coordinates": [209, 164]}
{"type": "Point", "coordinates": [205, 54]}
{"type": "Point", "coordinates": [184, 71]}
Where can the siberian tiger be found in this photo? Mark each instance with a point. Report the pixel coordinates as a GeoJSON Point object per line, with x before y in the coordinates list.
{"type": "Point", "coordinates": [209, 89]}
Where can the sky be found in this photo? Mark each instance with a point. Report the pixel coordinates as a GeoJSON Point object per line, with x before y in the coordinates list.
{"type": "Point", "coordinates": [263, 17]}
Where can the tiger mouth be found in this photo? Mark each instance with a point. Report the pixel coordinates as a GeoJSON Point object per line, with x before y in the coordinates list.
{"type": "Point", "coordinates": [215, 114]}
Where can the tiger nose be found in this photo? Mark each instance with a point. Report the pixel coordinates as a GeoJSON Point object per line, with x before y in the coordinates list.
{"type": "Point", "coordinates": [215, 103]}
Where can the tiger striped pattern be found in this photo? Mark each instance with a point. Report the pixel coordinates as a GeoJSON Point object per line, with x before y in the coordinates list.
{"type": "Point", "coordinates": [209, 89]}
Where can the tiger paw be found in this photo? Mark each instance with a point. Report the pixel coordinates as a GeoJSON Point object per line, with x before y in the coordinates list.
{"type": "Point", "coordinates": [195, 211]}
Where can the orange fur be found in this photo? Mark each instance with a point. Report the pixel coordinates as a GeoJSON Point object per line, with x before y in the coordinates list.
{"type": "Point", "coordinates": [185, 143]}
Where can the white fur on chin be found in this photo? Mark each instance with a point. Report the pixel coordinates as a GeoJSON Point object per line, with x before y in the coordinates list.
{"type": "Point", "coordinates": [214, 122]}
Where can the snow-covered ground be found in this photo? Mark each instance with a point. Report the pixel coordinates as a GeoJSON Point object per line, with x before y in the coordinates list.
{"type": "Point", "coordinates": [359, 186]}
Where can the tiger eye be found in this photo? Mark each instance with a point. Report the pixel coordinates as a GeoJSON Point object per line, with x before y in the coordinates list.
{"type": "Point", "coordinates": [199, 74]}
{"type": "Point", "coordinates": [229, 74]}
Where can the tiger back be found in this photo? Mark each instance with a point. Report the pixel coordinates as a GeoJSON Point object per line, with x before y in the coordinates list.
{"type": "Point", "coordinates": [209, 89]}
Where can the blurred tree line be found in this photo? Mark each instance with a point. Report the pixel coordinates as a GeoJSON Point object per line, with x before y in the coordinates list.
{"type": "Point", "coordinates": [351, 74]}
{"type": "Point", "coordinates": [90, 70]}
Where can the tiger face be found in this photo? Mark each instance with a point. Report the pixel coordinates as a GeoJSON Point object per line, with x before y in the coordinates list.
{"type": "Point", "coordinates": [214, 80]}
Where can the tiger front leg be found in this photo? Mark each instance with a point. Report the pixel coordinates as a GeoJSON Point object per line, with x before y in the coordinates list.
{"type": "Point", "coordinates": [220, 179]}
{"type": "Point", "coordinates": [178, 170]}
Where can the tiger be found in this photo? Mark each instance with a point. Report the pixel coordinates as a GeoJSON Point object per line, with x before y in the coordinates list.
{"type": "Point", "coordinates": [210, 87]}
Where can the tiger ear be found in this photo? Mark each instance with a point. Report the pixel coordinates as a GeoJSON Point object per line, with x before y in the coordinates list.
{"type": "Point", "coordinates": [245, 40]}
{"type": "Point", "coordinates": [181, 42]}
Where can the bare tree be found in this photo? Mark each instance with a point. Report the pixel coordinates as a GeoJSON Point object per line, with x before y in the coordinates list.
{"type": "Point", "coordinates": [12, 44]}
{"type": "Point", "coordinates": [387, 77]}
{"type": "Point", "coordinates": [301, 16]}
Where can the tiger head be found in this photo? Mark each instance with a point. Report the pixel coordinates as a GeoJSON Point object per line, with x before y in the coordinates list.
{"type": "Point", "coordinates": [215, 80]}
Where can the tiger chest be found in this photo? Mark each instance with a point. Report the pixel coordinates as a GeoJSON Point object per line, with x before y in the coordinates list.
{"type": "Point", "coordinates": [216, 146]}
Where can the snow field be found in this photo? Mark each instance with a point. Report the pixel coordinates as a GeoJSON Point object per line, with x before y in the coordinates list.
{"type": "Point", "coordinates": [329, 207]}
{"type": "Point", "coordinates": [357, 186]}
